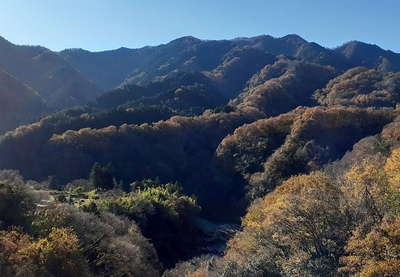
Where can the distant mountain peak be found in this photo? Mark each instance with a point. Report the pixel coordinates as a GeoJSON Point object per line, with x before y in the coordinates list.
{"type": "Point", "coordinates": [185, 39]}
{"type": "Point", "coordinates": [294, 38]}
{"type": "Point", "coordinates": [5, 41]}
{"type": "Point", "coordinates": [360, 48]}
{"type": "Point", "coordinates": [74, 50]}
{"type": "Point", "coordinates": [357, 43]}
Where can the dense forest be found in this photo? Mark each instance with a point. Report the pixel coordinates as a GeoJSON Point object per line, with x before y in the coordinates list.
{"type": "Point", "coordinates": [254, 156]}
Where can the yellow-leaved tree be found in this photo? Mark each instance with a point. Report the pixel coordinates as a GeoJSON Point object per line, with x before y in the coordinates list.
{"type": "Point", "coordinates": [297, 230]}
{"type": "Point", "coordinates": [392, 168]}
{"type": "Point", "coordinates": [373, 192]}
{"type": "Point", "coordinates": [57, 254]}
{"type": "Point", "coordinates": [376, 253]}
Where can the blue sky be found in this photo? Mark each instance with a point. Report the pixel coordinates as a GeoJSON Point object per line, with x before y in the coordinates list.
{"type": "Point", "coordinates": [108, 24]}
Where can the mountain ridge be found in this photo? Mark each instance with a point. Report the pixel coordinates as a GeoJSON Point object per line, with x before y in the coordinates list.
{"type": "Point", "coordinates": [141, 65]}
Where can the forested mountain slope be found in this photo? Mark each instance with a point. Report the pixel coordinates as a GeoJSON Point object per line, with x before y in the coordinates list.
{"type": "Point", "coordinates": [109, 69]}
{"type": "Point", "coordinates": [58, 83]}
{"type": "Point", "coordinates": [296, 142]}
{"type": "Point", "coordinates": [200, 152]}
{"type": "Point", "coordinates": [358, 53]}
{"type": "Point", "coordinates": [20, 104]}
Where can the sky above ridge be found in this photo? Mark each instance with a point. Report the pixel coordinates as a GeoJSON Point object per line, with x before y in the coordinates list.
{"type": "Point", "coordinates": [108, 24]}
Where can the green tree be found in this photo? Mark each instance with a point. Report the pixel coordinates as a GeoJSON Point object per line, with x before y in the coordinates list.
{"type": "Point", "coordinates": [102, 177]}
{"type": "Point", "coordinates": [164, 215]}
{"type": "Point", "coordinates": [16, 205]}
